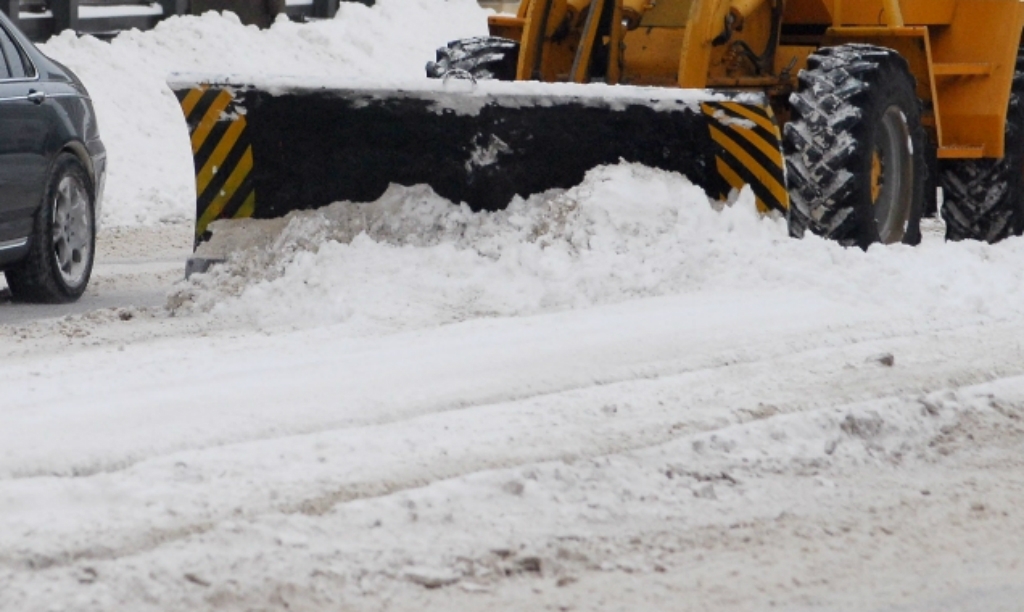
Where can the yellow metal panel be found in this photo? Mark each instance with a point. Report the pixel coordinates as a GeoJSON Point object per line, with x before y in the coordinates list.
{"type": "Point", "coordinates": [792, 57]}
{"type": "Point", "coordinates": [808, 12]}
{"type": "Point", "coordinates": [870, 12]}
{"type": "Point", "coordinates": [651, 56]}
{"type": "Point", "coordinates": [893, 15]}
{"type": "Point", "coordinates": [973, 108]}
{"type": "Point", "coordinates": [505, 26]}
{"type": "Point", "coordinates": [667, 14]}
{"type": "Point", "coordinates": [965, 68]}
{"type": "Point", "coordinates": [875, 32]}
{"type": "Point", "coordinates": [928, 12]}
{"type": "Point", "coordinates": [707, 18]}
{"type": "Point", "coordinates": [962, 69]}
{"type": "Point", "coordinates": [615, 59]}
{"type": "Point", "coordinates": [581, 63]}
{"type": "Point", "coordinates": [533, 31]}
{"type": "Point", "coordinates": [961, 152]}
{"type": "Point", "coordinates": [863, 12]}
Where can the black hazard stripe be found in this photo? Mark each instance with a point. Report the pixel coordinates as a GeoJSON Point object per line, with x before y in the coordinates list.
{"type": "Point", "coordinates": [748, 151]}
{"type": "Point", "coordinates": [222, 156]}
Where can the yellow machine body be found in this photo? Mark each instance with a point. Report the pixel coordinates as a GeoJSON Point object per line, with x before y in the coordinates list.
{"type": "Point", "coordinates": [703, 88]}
{"type": "Point", "coordinates": [962, 52]}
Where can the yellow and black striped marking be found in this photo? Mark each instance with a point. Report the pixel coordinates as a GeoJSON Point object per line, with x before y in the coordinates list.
{"type": "Point", "coordinates": [222, 153]}
{"type": "Point", "coordinates": [748, 151]}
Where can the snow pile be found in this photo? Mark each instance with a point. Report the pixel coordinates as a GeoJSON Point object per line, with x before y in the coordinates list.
{"type": "Point", "coordinates": [414, 260]}
{"type": "Point", "coordinates": [151, 175]}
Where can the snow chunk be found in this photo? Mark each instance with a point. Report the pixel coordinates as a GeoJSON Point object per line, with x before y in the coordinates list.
{"type": "Point", "coordinates": [412, 258]}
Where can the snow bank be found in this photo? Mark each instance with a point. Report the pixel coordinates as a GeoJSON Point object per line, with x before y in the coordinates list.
{"type": "Point", "coordinates": [151, 176]}
{"type": "Point", "coordinates": [413, 259]}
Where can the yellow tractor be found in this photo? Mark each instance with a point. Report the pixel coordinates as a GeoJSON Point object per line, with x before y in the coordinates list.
{"type": "Point", "coordinates": [868, 93]}
{"type": "Point", "coordinates": [842, 114]}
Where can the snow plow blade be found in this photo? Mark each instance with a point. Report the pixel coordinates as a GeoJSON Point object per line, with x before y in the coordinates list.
{"type": "Point", "coordinates": [264, 151]}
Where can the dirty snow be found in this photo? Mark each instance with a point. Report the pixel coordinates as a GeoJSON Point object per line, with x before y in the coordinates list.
{"type": "Point", "coordinates": [622, 396]}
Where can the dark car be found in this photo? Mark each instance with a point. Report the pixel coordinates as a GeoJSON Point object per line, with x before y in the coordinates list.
{"type": "Point", "coordinates": [52, 170]}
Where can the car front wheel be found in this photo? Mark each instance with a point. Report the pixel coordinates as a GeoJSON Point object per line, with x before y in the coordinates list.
{"type": "Point", "coordinates": [63, 242]}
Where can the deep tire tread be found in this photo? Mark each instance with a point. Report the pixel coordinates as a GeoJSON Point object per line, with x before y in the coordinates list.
{"type": "Point", "coordinates": [484, 57]}
{"type": "Point", "coordinates": [984, 199]}
{"type": "Point", "coordinates": [825, 140]}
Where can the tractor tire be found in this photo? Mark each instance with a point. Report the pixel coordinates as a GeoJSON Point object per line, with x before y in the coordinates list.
{"type": "Point", "coordinates": [855, 148]}
{"type": "Point", "coordinates": [483, 58]}
{"type": "Point", "coordinates": [984, 198]}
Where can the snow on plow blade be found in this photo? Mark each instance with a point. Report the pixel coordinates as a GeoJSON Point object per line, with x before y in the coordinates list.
{"type": "Point", "coordinates": [265, 151]}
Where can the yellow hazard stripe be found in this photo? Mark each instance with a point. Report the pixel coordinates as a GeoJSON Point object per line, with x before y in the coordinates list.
{"type": "Point", "coordinates": [747, 151]}
{"type": "Point", "coordinates": [736, 182]}
{"type": "Point", "coordinates": [248, 208]}
{"type": "Point", "coordinates": [188, 103]}
{"type": "Point", "coordinates": [763, 174]}
{"type": "Point", "coordinates": [209, 120]}
{"type": "Point", "coordinates": [748, 113]}
{"type": "Point", "coordinates": [223, 156]}
{"type": "Point", "coordinates": [230, 188]}
{"type": "Point", "coordinates": [220, 153]}
{"type": "Point", "coordinates": [771, 152]}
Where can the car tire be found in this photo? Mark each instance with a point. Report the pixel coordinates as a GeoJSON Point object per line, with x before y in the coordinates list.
{"type": "Point", "coordinates": [62, 246]}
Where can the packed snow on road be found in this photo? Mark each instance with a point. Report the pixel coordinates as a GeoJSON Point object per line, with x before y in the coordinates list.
{"type": "Point", "coordinates": [621, 396]}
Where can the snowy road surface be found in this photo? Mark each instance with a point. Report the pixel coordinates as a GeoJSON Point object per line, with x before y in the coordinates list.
{"type": "Point", "coordinates": [134, 268]}
{"type": "Point", "coordinates": [618, 397]}
{"type": "Point", "coordinates": [673, 452]}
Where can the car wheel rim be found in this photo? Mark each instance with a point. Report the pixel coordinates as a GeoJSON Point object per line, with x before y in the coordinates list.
{"type": "Point", "coordinates": [72, 231]}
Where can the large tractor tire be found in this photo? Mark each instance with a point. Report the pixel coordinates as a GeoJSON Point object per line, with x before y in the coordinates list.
{"type": "Point", "coordinates": [855, 148]}
{"type": "Point", "coordinates": [483, 58]}
{"type": "Point", "coordinates": [984, 198]}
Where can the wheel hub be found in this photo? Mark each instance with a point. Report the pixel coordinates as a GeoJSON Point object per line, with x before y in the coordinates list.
{"type": "Point", "coordinates": [876, 176]}
{"type": "Point", "coordinates": [72, 230]}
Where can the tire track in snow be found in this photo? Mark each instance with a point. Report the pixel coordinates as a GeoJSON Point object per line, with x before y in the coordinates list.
{"type": "Point", "coordinates": [738, 353]}
{"type": "Point", "coordinates": [608, 546]}
{"type": "Point", "coordinates": [652, 430]}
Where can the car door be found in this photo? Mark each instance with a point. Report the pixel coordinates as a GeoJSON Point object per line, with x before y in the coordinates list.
{"type": "Point", "coordinates": [24, 129]}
